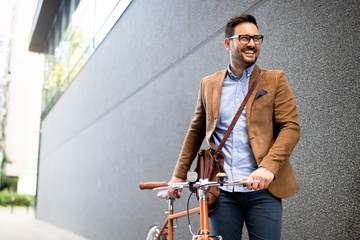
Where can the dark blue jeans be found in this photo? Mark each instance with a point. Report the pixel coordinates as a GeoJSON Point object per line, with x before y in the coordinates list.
{"type": "Point", "coordinates": [260, 211]}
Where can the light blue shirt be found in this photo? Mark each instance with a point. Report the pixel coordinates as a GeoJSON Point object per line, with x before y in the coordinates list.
{"type": "Point", "coordinates": [239, 159]}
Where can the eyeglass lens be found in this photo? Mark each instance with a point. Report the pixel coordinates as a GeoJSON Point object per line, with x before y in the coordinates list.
{"type": "Point", "coordinates": [244, 39]}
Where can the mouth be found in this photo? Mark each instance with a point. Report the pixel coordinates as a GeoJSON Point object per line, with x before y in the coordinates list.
{"type": "Point", "coordinates": [249, 52]}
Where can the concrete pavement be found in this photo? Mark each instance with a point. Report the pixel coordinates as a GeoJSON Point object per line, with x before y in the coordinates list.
{"type": "Point", "coordinates": [21, 225]}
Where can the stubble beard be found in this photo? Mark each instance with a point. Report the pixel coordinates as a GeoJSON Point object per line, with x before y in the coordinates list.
{"type": "Point", "coordinates": [241, 61]}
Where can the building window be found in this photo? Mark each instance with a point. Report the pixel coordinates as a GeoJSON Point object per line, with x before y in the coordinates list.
{"type": "Point", "coordinates": [78, 29]}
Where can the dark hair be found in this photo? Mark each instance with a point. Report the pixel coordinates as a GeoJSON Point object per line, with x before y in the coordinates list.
{"type": "Point", "coordinates": [233, 22]}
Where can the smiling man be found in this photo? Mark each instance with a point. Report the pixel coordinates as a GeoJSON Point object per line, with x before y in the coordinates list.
{"type": "Point", "coordinates": [259, 146]}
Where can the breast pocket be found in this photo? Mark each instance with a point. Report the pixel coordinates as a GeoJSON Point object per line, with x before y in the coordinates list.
{"type": "Point", "coordinates": [265, 99]}
{"type": "Point", "coordinates": [263, 107]}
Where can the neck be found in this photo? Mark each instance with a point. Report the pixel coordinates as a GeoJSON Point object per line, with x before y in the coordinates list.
{"type": "Point", "coordinates": [237, 69]}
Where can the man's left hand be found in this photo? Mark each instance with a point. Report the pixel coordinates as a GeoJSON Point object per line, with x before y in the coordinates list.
{"type": "Point", "coordinates": [265, 176]}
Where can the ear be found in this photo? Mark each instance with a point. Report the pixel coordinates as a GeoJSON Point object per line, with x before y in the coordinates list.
{"type": "Point", "coordinates": [227, 44]}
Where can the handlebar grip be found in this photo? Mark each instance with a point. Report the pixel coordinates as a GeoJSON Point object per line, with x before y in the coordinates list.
{"type": "Point", "coordinates": [151, 185]}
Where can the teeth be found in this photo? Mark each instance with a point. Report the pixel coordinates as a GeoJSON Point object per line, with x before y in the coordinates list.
{"type": "Point", "coordinates": [249, 52]}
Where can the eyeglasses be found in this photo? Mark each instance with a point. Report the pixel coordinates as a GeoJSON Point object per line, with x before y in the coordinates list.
{"type": "Point", "coordinates": [245, 39]}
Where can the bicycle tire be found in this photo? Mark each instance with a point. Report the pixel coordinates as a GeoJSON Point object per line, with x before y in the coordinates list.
{"type": "Point", "coordinates": [153, 232]}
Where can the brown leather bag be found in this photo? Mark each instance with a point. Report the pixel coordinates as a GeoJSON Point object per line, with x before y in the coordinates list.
{"type": "Point", "coordinates": [207, 166]}
{"type": "Point", "coordinates": [208, 160]}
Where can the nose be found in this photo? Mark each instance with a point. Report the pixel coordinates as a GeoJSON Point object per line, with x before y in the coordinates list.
{"type": "Point", "coordinates": [251, 42]}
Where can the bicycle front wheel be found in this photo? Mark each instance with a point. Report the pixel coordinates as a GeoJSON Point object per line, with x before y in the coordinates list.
{"type": "Point", "coordinates": [153, 232]}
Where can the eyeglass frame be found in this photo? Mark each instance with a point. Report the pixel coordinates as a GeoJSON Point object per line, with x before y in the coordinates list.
{"type": "Point", "coordinates": [261, 38]}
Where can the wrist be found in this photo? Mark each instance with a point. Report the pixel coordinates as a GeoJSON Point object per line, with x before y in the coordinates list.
{"type": "Point", "coordinates": [269, 171]}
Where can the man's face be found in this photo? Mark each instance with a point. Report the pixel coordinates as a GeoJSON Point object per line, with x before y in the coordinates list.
{"type": "Point", "coordinates": [243, 54]}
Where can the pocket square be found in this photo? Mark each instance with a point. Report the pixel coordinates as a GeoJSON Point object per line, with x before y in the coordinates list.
{"type": "Point", "coordinates": [260, 93]}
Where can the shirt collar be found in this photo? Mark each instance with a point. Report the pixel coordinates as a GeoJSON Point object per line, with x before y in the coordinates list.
{"type": "Point", "coordinates": [246, 73]}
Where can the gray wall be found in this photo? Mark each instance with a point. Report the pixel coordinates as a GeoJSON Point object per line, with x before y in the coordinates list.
{"type": "Point", "coordinates": [124, 117]}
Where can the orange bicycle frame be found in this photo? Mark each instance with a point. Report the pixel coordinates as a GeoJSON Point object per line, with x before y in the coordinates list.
{"type": "Point", "coordinates": [203, 232]}
{"type": "Point", "coordinates": [170, 220]}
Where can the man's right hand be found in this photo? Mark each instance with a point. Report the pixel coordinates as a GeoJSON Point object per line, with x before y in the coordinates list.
{"type": "Point", "coordinates": [175, 193]}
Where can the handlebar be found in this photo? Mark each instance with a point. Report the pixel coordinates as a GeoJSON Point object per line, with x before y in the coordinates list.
{"type": "Point", "coordinates": [203, 183]}
{"type": "Point", "coordinates": [152, 185]}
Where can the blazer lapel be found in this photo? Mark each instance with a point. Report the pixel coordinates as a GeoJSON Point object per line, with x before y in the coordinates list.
{"type": "Point", "coordinates": [253, 76]}
{"type": "Point", "coordinates": [217, 93]}
{"type": "Point", "coordinates": [213, 100]}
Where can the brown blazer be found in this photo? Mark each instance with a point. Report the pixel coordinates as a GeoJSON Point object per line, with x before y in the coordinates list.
{"type": "Point", "coordinates": [272, 122]}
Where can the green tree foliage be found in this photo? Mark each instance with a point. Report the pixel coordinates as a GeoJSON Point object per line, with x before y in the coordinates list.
{"type": "Point", "coordinates": [7, 182]}
{"type": "Point", "coordinates": [8, 189]}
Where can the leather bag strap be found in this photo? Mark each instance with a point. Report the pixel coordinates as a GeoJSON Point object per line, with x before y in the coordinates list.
{"type": "Point", "coordinates": [241, 108]}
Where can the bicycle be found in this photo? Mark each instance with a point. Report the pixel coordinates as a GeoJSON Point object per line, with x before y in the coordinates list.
{"type": "Point", "coordinates": [157, 232]}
